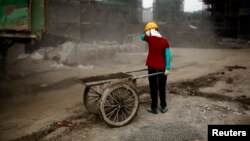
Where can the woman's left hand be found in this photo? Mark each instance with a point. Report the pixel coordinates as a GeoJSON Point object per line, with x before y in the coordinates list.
{"type": "Point", "coordinates": [166, 72]}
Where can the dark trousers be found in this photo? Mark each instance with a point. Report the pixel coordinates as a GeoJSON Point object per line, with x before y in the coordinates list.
{"type": "Point", "coordinates": [157, 83]}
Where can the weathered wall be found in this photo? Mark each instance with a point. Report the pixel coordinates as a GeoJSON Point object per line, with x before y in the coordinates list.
{"type": "Point", "coordinates": [93, 20]}
{"type": "Point", "coordinates": [63, 18]}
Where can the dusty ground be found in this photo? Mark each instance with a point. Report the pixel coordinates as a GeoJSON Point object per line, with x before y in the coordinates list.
{"type": "Point", "coordinates": [206, 86]}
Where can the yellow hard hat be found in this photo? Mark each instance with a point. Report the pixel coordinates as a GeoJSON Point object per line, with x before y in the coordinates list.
{"type": "Point", "coordinates": [150, 25]}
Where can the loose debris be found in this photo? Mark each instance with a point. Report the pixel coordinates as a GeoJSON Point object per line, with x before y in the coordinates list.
{"type": "Point", "coordinates": [231, 68]}
{"type": "Point", "coordinates": [56, 129]}
{"type": "Point", "coordinates": [165, 132]}
{"type": "Point", "coordinates": [191, 88]}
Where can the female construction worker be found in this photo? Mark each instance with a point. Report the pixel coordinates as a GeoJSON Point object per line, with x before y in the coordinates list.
{"type": "Point", "coordinates": [158, 60]}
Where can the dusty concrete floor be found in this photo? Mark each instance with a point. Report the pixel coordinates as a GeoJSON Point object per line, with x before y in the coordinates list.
{"type": "Point", "coordinates": [33, 105]}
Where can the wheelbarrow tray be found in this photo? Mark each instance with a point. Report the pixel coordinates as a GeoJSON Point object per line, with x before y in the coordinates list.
{"type": "Point", "coordinates": [101, 79]}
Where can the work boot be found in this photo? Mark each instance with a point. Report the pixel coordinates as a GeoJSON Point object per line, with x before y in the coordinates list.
{"type": "Point", "coordinates": [164, 109]}
{"type": "Point", "coordinates": [152, 110]}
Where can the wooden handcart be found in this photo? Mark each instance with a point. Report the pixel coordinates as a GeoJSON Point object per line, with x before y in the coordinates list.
{"type": "Point", "coordinates": [113, 96]}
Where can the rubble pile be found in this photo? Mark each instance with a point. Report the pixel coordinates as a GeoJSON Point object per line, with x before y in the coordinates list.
{"type": "Point", "coordinates": [234, 43]}
{"type": "Point", "coordinates": [68, 55]}
{"type": "Point", "coordinates": [79, 53]}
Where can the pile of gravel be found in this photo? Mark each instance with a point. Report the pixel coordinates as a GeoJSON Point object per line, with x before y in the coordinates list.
{"type": "Point", "coordinates": [166, 132]}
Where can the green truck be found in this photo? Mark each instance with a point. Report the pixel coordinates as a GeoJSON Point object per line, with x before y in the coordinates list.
{"type": "Point", "coordinates": [22, 19]}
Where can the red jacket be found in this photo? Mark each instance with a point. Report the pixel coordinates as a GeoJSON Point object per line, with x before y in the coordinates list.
{"type": "Point", "coordinates": [156, 53]}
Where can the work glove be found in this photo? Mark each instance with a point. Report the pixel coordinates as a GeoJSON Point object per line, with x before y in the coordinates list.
{"type": "Point", "coordinates": [166, 72]}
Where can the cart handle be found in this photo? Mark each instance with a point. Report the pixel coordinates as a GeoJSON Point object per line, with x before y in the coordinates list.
{"type": "Point", "coordinates": [148, 75]}
{"type": "Point", "coordinates": [136, 71]}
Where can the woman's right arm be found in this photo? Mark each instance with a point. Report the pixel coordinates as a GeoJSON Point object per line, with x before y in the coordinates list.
{"type": "Point", "coordinates": [142, 37]}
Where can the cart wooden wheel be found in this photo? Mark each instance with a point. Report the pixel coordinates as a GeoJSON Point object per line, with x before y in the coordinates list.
{"type": "Point", "coordinates": [119, 104]}
{"type": "Point", "coordinates": [91, 98]}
